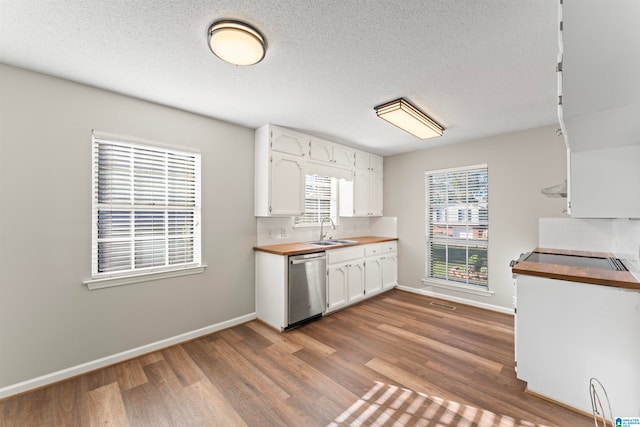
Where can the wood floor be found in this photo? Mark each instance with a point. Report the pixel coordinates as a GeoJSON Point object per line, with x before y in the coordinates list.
{"type": "Point", "coordinates": [394, 360]}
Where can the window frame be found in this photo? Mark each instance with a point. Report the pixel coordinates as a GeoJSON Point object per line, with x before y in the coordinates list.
{"type": "Point", "coordinates": [135, 210]}
{"type": "Point", "coordinates": [465, 240]}
{"type": "Point", "coordinates": [301, 222]}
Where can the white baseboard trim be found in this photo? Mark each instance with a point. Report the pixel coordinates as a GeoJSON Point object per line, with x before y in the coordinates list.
{"type": "Point", "coordinates": [73, 371]}
{"type": "Point", "coordinates": [486, 306]}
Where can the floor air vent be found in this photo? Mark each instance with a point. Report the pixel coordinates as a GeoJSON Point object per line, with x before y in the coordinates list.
{"type": "Point", "coordinates": [441, 305]}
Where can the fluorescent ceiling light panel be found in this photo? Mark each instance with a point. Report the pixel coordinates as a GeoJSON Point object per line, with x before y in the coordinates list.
{"type": "Point", "coordinates": [236, 42]}
{"type": "Point", "coordinates": [408, 118]}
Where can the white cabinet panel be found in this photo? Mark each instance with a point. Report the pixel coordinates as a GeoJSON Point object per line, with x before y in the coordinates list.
{"type": "Point", "coordinates": [337, 282]}
{"type": "Point", "coordinates": [375, 194]}
{"type": "Point", "coordinates": [321, 150]}
{"type": "Point", "coordinates": [605, 183]}
{"type": "Point", "coordinates": [389, 271]}
{"type": "Point", "coordinates": [279, 173]}
{"type": "Point", "coordinates": [375, 163]}
{"type": "Point", "coordinates": [289, 142]}
{"type": "Point", "coordinates": [331, 153]}
{"type": "Point", "coordinates": [287, 185]}
{"type": "Point", "coordinates": [343, 156]}
{"type": "Point", "coordinates": [271, 288]}
{"type": "Point", "coordinates": [373, 275]}
{"type": "Point", "coordinates": [362, 196]}
{"type": "Point", "coordinates": [356, 281]}
{"type": "Point", "coordinates": [569, 332]}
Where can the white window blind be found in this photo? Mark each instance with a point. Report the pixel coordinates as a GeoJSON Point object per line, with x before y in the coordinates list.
{"type": "Point", "coordinates": [320, 200]}
{"type": "Point", "coordinates": [146, 208]}
{"type": "Point", "coordinates": [457, 225]}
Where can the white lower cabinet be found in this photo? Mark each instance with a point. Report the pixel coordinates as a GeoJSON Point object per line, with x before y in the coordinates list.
{"type": "Point", "coordinates": [373, 276]}
{"type": "Point", "coordinates": [373, 268]}
{"type": "Point", "coordinates": [345, 277]}
{"type": "Point", "coordinates": [381, 267]}
{"type": "Point", "coordinates": [389, 271]}
{"type": "Point", "coordinates": [345, 284]}
{"type": "Point", "coordinates": [359, 272]}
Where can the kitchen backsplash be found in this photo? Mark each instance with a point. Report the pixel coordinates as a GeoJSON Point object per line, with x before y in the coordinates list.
{"type": "Point", "coordinates": [619, 236]}
{"type": "Point", "coordinates": [273, 231]}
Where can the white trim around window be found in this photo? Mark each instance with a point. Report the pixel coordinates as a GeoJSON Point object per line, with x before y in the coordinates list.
{"type": "Point", "coordinates": [146, 202]}
{"type": "Point", "coordinates": [457, 229]}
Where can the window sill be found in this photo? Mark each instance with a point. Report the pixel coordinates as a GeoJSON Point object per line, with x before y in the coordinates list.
{"type": "Point", "coordinates": [109, 282]}
{"type": "Point", "coordinates": [460, 287]}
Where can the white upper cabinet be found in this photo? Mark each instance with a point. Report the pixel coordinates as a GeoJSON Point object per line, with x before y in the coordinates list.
{"type": "Point", "coordinates": [605, 183]}
{"type": "Point", "coordinates": [362, 196]}
{"type": "Point", "coordinates": [343, 156]}
{"type": "Point", "coordinates": [599, 106]}
{"type": "Point", "coordinates": [331, 153]}
{"type": "Point", "coordinates": [284, 157]}
{"type": "Point", "coordinates": [289, 142]}
{"type": "Point", "coordinates": [368, 162]}
{"type": "Point", "coordinates": [600, 65]}
{"type": "Point", "coordinates": [280, 159]}
{"type": "Point", "coordinates": [287, 185]}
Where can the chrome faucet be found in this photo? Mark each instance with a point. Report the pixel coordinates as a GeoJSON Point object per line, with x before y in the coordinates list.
{"type": "Point", "coordinates": [322, 233]}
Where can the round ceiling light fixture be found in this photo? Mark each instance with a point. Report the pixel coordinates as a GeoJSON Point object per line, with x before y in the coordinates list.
{"type": "Point", "coordinates": [236, 42]}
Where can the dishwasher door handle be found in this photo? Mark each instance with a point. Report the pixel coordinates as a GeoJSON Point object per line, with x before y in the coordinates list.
{"type": "Point", "coordinates": [305, 260]}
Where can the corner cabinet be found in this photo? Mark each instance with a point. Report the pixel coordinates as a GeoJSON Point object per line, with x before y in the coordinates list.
{"type": "Point", "coordinates": [381, 267]}
{"type": "Point", "coordinates": [280, 159]}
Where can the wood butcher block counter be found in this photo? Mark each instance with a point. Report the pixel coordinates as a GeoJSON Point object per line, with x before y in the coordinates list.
{"type": "Point", "coordinates": [287, 249]}
{"type": "Point", "coordinates": [596, 276]}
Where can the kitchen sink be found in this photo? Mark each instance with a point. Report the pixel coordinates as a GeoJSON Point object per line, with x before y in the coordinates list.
{"type": "Point", "coordinates": [324, 243]}
{"type": "Point", "coordinates": [331, 242]}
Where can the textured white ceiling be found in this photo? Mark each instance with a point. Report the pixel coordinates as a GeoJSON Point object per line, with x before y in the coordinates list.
{"type": "Point", "coordinates": [479, 68]}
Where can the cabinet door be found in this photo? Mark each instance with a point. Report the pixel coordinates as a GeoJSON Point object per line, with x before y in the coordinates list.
{"type": "Point", "coordinates": [356, 282]}
{"type": "Point", "coordinates": [375, 194]}
{"type": "Point", "coordinates": [321, 150]}
{"type": "Point", "coordinates": [375, 163]}
{"type": "Point", "coordinates": [343, 156]}
{"type": "Point", "coordinates": [362, 160]}
{"type": "Point", "coordinates": [361, 193]}
{"type": "Point", "coordinates": [285, 141]}
{"type": "Point", "coordinates": [287, 185]}
{"type": "Point", "coordinates": [373, 276]}
{"type": "Point", "coordinates": [389, 271]}
{"type": "Point", "coordinates": [337, 279]}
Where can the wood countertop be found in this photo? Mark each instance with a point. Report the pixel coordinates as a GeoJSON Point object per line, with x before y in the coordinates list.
{"type": "Point", "coordinates": [595, 276]}
{"type": "Point", "coordinates": [286, 249]}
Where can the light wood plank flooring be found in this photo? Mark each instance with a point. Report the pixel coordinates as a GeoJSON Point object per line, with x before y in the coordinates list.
{"type": "Point", "coordinates": [394, 360]}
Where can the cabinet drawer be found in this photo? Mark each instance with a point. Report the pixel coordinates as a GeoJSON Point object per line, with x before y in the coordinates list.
{"type": "Point", "coordinates": [373, 250]}
{"type": "Point", "coordinates": [341, 255]}
{"type": "Point", "coordinates": [388, 247]}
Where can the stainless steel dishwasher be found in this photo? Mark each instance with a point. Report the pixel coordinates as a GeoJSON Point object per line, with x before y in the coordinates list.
{"type": "Point", "coordinates": [307, 288]}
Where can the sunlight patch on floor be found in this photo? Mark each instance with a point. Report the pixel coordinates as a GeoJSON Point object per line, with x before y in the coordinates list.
{"type": "Point", "coordinates": [389, 405]}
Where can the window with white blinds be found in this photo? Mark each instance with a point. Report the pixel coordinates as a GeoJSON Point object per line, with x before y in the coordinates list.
{"type": "Point", "coordinates": [146, 208]}
{"type": "Point", "coordinates": [457, 225]}
{"type": "Point", "coordinates": [320, 200]}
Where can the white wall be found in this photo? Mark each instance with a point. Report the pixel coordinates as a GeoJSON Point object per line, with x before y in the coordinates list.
{"type": "Point", "coordinates": [48, 319]}
{"type": "Point", "coordinates": [520, 165]}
